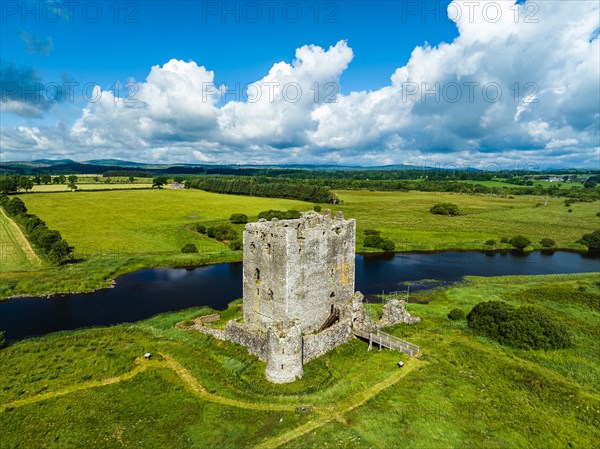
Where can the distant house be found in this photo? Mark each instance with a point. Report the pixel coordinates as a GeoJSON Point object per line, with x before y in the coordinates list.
{"type": "Point", "coordinates": [176, 185]}
{"type": "Point", "coordinates": [555, 179]}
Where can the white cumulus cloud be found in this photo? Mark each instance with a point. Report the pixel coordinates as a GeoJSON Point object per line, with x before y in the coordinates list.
{"type": "Point", "coordinates": [519, 82]}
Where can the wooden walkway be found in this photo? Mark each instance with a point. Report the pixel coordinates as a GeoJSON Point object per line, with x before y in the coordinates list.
{"type": "Point", "coordinates": [387, 341]}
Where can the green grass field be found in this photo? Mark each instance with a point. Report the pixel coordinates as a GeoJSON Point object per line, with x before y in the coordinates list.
{"type": "Point", "coordinates": [91, 186]}
{"type": "Point", "coordinates": [405, 219]}
{"type": "Point", "coordinates": [15, 252]}
{"type": "Point", "coordinates": [89, 388]}
{"type": "Point", "coordinates": [120, 231]}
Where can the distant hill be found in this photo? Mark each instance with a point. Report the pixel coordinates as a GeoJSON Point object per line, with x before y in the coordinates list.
{"type": "Point", "coordinates": [100, 166]}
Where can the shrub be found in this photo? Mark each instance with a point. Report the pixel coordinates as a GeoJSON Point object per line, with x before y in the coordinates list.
{"type": "Point", "coordinates": [445, 209]}
{"type": "Point", "coordinates": [570, 210]}
{"type": "Point", "coordinates": [592, 240]}
{"type": "Point", "coordinates": [526, 327]}
{"type": "Point", "coordinates": [222, 232]}
{"type": "Point", "coordinates": [388, 245]}
{"type": "Point", "coordinates": [371, 232]}
{"type": "Point", "coordinates": [2, 339]}
{"type": "Point", "coordinates": [201, 228]}
{"type": "Point", "coordinates": [235, 245]}
{"type": "Point", "coordinates": [239, 218]}
{"type": "Point", "coordinates": [373, 241]}
{"type": "Point", "coordinates": [456, 314]}
{"type": "Point", "coordinates": [532, 328]}
{"type": "Point", "coordinates": [520, 241]}
{"type": "Point", "coordinates": [547, 243]}
{"type": "Point", "coordinates": [486, 317]}
{"type": "Point", "coordinates": [279, 214]}
{"type": "Point", "coordinates": [491, 243]}
{"type": "Point", "coordinates": [189, 248]}
{"type": "Point", "coordinates": [598, 214]}
{"type": "Point", "coordinates": [504, 240]}
{"type": "Point", "coordinates": [317, 208]}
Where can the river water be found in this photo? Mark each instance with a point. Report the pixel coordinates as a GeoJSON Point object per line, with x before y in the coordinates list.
{"type": "Point", "coordinates": [148, 292]}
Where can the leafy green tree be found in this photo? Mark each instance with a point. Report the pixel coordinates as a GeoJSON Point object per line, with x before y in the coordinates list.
{"type": "Point", "coordinates": [46, 179]}
{"type": "Point", "coordinates": [520, 241]}
{"type": "Point", "coordinates": [72, 182]}
{"type": "Point", "coordinates": [60, 251]}
{"type": "Point", "coordinates": [445, 209]}
{"type": "Point", "coordinates": [373, 241]}
{"type": "Point", "coordinates": [189, 248]}
{"type": "Point", "coordinates": [222, 233]}
{"type": "Point", "coordinates": [159, 181]}
{"type": "Point", "coordinates": [592, 240]}
{"type": "Point", "coordinates": [37, 179]}
{"type": "Point", "coordinates": [236, 244]}
{"type": "Point", "coordinates": [239, 218]}
{"type": "Point", "coordinates": [9, 184]}
{"type": "Point", "coordinates": [388, 245]}
{"type": "Point", "coordinates": [591, 182]}
{"type": "Point", "coordinates": [547, 243]}
{"type": "Point", "coordinates": [15, 207]}
{"type": "Point", "coordinates": [25, 183]}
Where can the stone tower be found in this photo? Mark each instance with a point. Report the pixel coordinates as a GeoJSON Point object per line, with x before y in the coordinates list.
{"type": "Point", "coordinates": [299, 270]}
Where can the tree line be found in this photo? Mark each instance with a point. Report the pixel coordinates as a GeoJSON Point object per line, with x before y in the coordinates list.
{"type": "Point", "coordinates": [48, 242]}
{"type": "Point", "coordinates": [15, 183]}
{"type": "Point", "coordinates": [265, 187]}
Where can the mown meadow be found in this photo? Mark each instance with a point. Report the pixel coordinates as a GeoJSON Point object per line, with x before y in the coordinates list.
{"type": "Point", "coordinates": [114, 232]}
{"type": "Point", "coordinates": [90, 388]}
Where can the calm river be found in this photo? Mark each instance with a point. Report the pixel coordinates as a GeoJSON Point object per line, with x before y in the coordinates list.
{"type": "Point", "coordinates": [148, 292]}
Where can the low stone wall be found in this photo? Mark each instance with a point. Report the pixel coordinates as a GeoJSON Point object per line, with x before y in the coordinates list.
{"type": "Point", "coordinates": [254, 340]}
{"type": "Point", "coordinates": [217, 333]}
{"type": "Point", "coordinates": [315, 345]}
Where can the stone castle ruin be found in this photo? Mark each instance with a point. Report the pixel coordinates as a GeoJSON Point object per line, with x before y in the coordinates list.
{"type": "Point", "coordinates": [299, 300]}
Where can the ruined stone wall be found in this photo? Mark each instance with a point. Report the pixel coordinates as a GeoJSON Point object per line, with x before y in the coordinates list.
{"type": "Point", "coordinates": [395, 312]}
{"type": "Point", "coordinates": [315, 345]}
{"type": "Point", "coordinates": [253, 339]}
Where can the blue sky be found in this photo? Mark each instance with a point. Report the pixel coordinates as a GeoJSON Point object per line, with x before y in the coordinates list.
{"type": "Point", "coordinates": [371, 42]}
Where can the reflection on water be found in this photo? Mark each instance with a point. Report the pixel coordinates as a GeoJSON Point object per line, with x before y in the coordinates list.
{"type": "Point", "coordinates": [148, 292]}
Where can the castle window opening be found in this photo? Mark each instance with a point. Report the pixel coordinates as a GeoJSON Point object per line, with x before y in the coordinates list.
{"type": "Point", "coordinates": [332, 295]}
{"type": "Point", "coordinates": [257, 274]}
